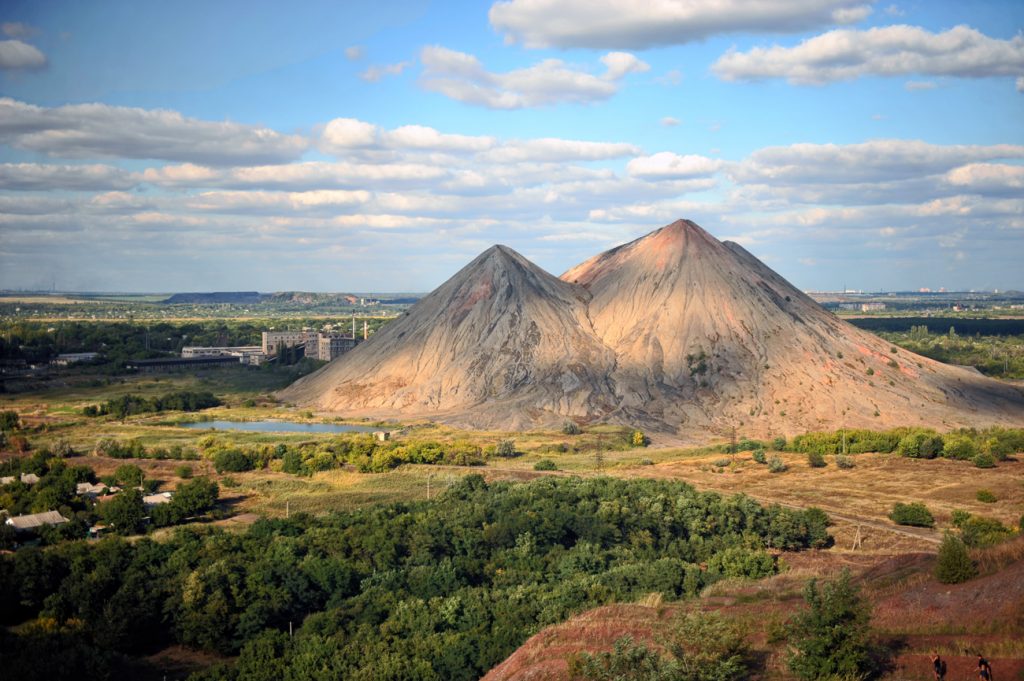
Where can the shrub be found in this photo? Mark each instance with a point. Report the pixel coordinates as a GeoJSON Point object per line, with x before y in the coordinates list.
{"type": "Point", "coordinates": [232, 461]}
{"type": "Point", "coordinates": [759, 456]}
{"type": "Point", "coordinates": [831, 638]}
{"type": "Point", "coordinates": [545, 465]}
{"type": "Point", "coordinates": [645, 462]}
{"type": "Point", "coordinates": [9, 420]}
{"type": "Point", "coordinates": [816, 460]}
{"type": "Point", "coordinates": [954, 564]}
{"type": "Point", "coordinates": [985, 496]}
{"type": "Point", "coordinates": [571, 428]}
{"type": "Point", "coordinates": [844, 461]}
{"type": "Point", "coordinates": [984, 460]}
{"type": "Point", "coordinates": [779, 444]}
{"type": "Point", "coordinates": [920, 445]}
{"type": "Point", "coordinates": [776, 465]}
{"type": "Point", "coordinates": [959, 447]}
{"type": "Point", "coordinates": [979, 531]}
{"type": "Point", "coordinates": [720, 463]}
{"type": "Point", "coordinates": [638, 439]}
{"type": "Point", "coordinates": [505, 448]}
{"type": "Point", "coordinates": [959, 517]}
{"type": "Point", "coordinates": [915, 515]}
{"type": "Point", "coordinates": [870, 372]}
{"type": "Point", "coordinates": [183, 472]}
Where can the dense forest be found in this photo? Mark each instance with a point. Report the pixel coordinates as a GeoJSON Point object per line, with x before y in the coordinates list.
{"type": "Point", "coordinates": [443, 589]}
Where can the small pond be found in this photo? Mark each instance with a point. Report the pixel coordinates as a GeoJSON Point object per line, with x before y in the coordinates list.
{"type": "Point", "coordinates": [271, 426]}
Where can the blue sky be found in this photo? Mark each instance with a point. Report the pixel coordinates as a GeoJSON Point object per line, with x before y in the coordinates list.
{"type": "Point", "coordinates": [380, 146]}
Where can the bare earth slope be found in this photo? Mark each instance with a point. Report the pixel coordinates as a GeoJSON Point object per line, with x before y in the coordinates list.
{"type": "Point", "coordinates": [676, 331]}
{"type": "Point", "coordinates": [706, 334]}
{"type": "Point", "coordinates": [502, 343]}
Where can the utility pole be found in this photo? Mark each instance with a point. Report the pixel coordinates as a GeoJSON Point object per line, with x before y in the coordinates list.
{"type": "Point", "coordinates": [428, 487]}
{"type": "Point", "coordinates": [287, 509]}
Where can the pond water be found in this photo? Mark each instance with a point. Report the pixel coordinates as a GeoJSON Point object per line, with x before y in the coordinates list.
{"type": "Point", "coordinates": [271, 426]}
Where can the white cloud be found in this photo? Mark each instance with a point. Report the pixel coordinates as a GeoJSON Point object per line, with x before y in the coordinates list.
{"type": "Point", "coordinates": [886, 51]}
{"type": "Point", "coordinates": [873, 161]}
{"type": "Point", "coordinates": [604, 24]}
{"type": "Point", "coordinates": [44, 177]}
{"type": "Point", "coordinates": [422, 137]}
{"type": "Point", "coordinates": [375, 73]}
{"type": "Point", "coordinates": [670, 122]}
{"type": "Point", "coordinates": [462, 77]}
{"type": "Point", "coordinates": [667, 165]}
{"type": "Point", "coordinates": [1020, 84]}
{"type": "Point", "coordinates": [100, 130]}
{"type": "Point", "coordinates": [894, 11]}
{"type": "Point", "coordinates": [354, 53]}
{"type": "Point", "coordinates": [342, 134]}
{"type": "Point", "coordinates": [16, 29]}
{"type": "Point", "coordinates": [18, 56]}
{"type": "Point", "coordinates": [553, 149]}
{"type": "Point", "coordinates": [915, 85]}
{"type": "Point", "coordinates": [988, 179]}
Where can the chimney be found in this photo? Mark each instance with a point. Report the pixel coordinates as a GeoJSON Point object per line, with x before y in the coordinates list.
{"type": "Point", "coordinates": [366, 330]}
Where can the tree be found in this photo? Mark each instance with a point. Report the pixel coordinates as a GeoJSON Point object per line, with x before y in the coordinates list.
{"type": "Point", "coordinates": [832, 636]}
{"type": "Point", "coordinates": [638, 439]}
{"type": "Point", "coordinates": [570, 428]}
{"type": "Point", "coordinates": [506, 449]}
{"type": "Point", "coordinates": [124, 512]}
{"type": "Point", "coordinates": [129, 475]}
{"type": "Point", "coordinates": [9, 420]}
{"type": "Point", "coordinates": [954, 564]}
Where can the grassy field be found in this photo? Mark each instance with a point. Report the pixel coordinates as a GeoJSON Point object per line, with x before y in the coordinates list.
{"type": "Point", "coordinates": [859, 498]}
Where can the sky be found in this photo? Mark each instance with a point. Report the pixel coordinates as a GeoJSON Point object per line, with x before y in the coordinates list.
{"type": "Point", "coordinates": [350, 146]}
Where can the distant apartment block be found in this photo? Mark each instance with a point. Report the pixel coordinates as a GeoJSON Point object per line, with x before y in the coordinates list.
{"type": "Point", "coordinates": [273, 341]}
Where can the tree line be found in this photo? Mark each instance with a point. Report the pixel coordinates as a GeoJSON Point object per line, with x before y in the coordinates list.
{"type": "Point", "coordinates": [440, 589]}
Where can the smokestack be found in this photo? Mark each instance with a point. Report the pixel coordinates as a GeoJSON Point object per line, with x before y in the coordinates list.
{"type": "Point", "coordinates": [353, 326]}
{"type": "Point", "coordinates": [366, 330]}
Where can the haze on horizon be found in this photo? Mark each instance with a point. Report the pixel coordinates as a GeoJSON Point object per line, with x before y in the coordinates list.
{"type": "Point", "coordinates": [249, 146]}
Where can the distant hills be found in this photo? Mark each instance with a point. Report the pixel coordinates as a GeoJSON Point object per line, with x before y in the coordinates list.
{"type": "Point", "coordinates": [300, 298]}
{"type": "Point", "coordinates": [675, 331]}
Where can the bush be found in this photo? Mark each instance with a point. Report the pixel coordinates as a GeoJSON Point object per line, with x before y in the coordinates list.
{"type": "Point", "coordinates": [985, 496]}
{"type": "Point", "coordinates": [183, 472]}
{"type": "Point", "coordinates": [831, 638]}
{"type": "Point", "coordinates": [545, 465]}
{"type": "Point", "coordinates": [959, 447]}
{"type": "Point", "coordinates": [959, 517]}
{"type": "Point", "coordinates": [779, 444]}
{"type": "Point", "coordinates": [720, 463]}
{"type": "Point", "coordinates": [954, 564]}
{"type": "Point", "coordinates": [759, 456]}
{"type": "Point", "coordinates": [571, 428]}
{"type": "Point", "coordinates": [638, 439]}
{"type": "Point", "coordinates": [978, 531]}
{"type": "Point", "coordinates": [984, 460]}
{"type": "Point", "coordinates": [816, 460]}
{"type": "Point", "coordinates": [844, 461]}
{"type": "Point", "coordinates": [506, 449]}
{"type": "Point", "coordinates": [776, 465]}
{"type": "Point", "coordinates": [920, 445]}
{"type": "Point", "coordinates": [129, 475]}
{"type": "Point", "coordinates": [914, 515]}
{"type": "Point", "coordinates": [9, 420]}
{"type": "Point", "coordinates": [232, 461]}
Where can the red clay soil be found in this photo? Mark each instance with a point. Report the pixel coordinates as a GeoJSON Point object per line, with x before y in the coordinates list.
{"type": "Point", "coordinates": [985, 614]}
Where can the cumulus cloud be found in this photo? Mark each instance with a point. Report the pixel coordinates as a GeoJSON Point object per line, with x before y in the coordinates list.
{"type": "Point", "coordinates": [347, 133]}
{"type": "Point", "coordinates": [873, 161]}
{"type": "Point", "coordinates": [375, 73]}
{"type": "Point", "coordinates": [989, 179]}
{"type": "Point", "coordinates": [423, 137]}
{"type": "Point", "coordinates": [18, 56]}
{"type": "Point", "coordinates": [553, 149]}
{"type": "Point", "coordinates": [91, 130]}
{"type": "Point", "coordinates": [44, 177]}
{"type": "Point", "coordinates": [613, 24]}
{"type": "Point", "coordinates": [900, 50]}
{"type": "Point", "coordinates": [464, 78]}
{"type": "Point", "coordinates": [667, 165]}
